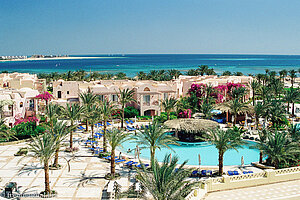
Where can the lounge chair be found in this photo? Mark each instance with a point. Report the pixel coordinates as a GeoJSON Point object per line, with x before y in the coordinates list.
{"type": "Point", "coordinates": [235, 172]}
{"type": "Point", "coordinates": [230, 173]}
{"type": "Point", "coordinates": [119, 161]}
{"type": "Point", "coordinates": [131, 121]}
{"type": "Point", "coordinates": [98, 151]}
{"type": "Point", "coordinates": [129, 162]}
{"type": "Point", "coordinates": [209, 172]}
{"type": "Point", "coordinates": [80, 127]}
{"type": "Point", "coordinates": [108, 124]}
{"type": "Point", "coordinates": [203, 172]}
{"type": "Point", "coordinates": [132, 164]}
{"type": "Point", "coordinates": [126, 122]}
{"type": "Point", "coordinates": [140, 165]}
{"type": "Point", "coordinates": [194, 173]}
{"type": "Point", "coordinates": [245, 172]}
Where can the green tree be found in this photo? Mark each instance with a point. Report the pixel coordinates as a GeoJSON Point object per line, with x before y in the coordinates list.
{"type": "Point", "coordinates": [223, 141]}
{"type": "Point", "coordinates": [293, 75]}
{"type": "Point", "coordinates": [154, 138]}
{"type": "Point", "coordinates": [52, 112]}
{"type": "Point", "coordinates": [236, 107]}
{"type": "Point", "coordinates": [275, 112]}
{"type": "Point", "coordinates": [72, 112]}
{"type": "Point", "coordinates": [226, 73]}
{"type": "Point", "coordinates": [292, 96]}
{"type": "Point", "coordinates": [169, 105]}
{"type": "Point", "coordinates": [279, 148]}
{"type": "Point", "coordinates": [166, 181]}
{"type": "Point", "coordinates": [88, 99]}
{"type": "Point", "coordinates": [115, 139]}
{"type": "Point", "coordinates": [59, 131]}
{"type": "Point", "coordinates": [106, 110]}
{"type": "Point", "coordinates": [126, 96]}
{"type": "Point", "coordinates": [202, 69]}
{"type": "Point", "coordinates": [255, 85]}
{"type": "Point", "coordinates": [43, 148]}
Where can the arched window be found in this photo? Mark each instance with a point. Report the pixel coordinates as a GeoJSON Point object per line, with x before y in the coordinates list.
{"type": "Point", "coordinates": [146, 89]}
{"type": "Point", "coordinates": [21, 104]}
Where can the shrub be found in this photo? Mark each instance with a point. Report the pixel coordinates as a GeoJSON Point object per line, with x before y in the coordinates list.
{"type": "Point", "coordinates": [163, 117]}
{"type": "Point", "coordinates": [25, 130]}
{"type": "Point", "coordinates": [130, 112]}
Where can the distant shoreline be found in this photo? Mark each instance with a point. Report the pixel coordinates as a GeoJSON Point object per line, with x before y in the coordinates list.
{"type": "Point", "coordinates": [54, 58]}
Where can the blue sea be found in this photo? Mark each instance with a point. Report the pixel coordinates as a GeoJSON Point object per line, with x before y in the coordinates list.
{"type": "Point", "coordinates": [133, 63]}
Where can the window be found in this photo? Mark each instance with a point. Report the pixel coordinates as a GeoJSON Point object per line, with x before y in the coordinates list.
{"type": "Point", "coordinates": [147, 89]}
{"type": "Point", "coordinates": [59, 94]}
{"type": "Point", "coordinates": [68, 92]}
{"type": "Point", "coordinates": [60, 84]}
{"type": "Point", "coordinates": [166, 96]}
{"type": "Point", "coordinates": [31, 103]}
{"type": "Point", "coordinates": [147, 98]}
{"type": "Point", "coordinates": [21, 104]}
{"type": "Point", "coordinates": [114, 97]}
{"type": "Point", "coordinates": [100, 97]}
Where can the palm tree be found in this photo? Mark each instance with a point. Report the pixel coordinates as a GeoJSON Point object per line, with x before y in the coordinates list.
{"type": "Point", "coordinates": [262, 137]}
{"type": "Point", "coordinates": [142, 76]}
{"type": "Point", "coordinates": [43, 147]}
{"type": "Point", "coordinates": [236, 107]}
{"type": "Point", "coordinates": [277, 87]}
{"type": "Point", "coordinates": [94, 116]}
{"type": "Point", "coordinates": [293, 75]}
{"type": "Point", "coordinates": [154, 138]}
{"type": "Point", "coordinates": [167, 181]}
{"type": "Point", "coordinates": [59, 131]}
{"type": "Point", "coordinates": [294, 132]}
{"type": "Point", "coordinates": [126, 96]}
{"type": "Point", "coordinates": [226, 73]}
{"type": "Point", "coordinates": [192, 72]}
{"type": "Point", "coordinates": [115, 139]}
{"type": "Point", "coordinates": [52, 113]}
{"type": "Point", "coordinates": [224, 140]}
{"type": "Point", "coordinates": [254, 86]}
{"type": "Point", "coordinates": [106, 110]}
{"type": "Point", "coordinates": [278, 148]}
{"type": "Point", "coordinates": [283, 73]}
{"type": "Point", "coordinates": [259, 111]}
{"type": "Point", "coordinates": [72, 112]}
{"type": "Point", "coordinates": [202, 69]}
{"type": "Point", "coordinates": [275, 112]}
{"type": "Point", "coordinates": [292, 96]}
{"type": "Point", "coordinates": [169, 105]}
{"type": "Point", "coordinates": [5, 131]}
{"type": "Point", "coordinates": [88, 99]}
{"type": "Point", "coordinates": [174, 73]}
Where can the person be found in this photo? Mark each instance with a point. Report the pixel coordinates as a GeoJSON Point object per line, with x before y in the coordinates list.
{"type": "Point", "coordinates": [120, 156]}
{"type": "Point", "coordinates": [129, 150]}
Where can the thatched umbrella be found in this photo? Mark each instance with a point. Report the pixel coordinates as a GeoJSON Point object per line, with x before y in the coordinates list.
{"type": "Point", "coordinates": [191, 125]}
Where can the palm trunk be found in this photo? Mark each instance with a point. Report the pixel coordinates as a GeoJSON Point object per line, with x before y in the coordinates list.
{"type": "Point", "coordinates": [55, 163]}
{"type": "Point", "coordinates": [293, 109]}
{"type": "Point", "coordinates": [253, 94]}
{"type": "Point", "coordinates": [234, 122]}
{"type": "Point", "coordinates": [47, 185]}
{"type": "Point", "coordinates": [256, 122]}
{"type": "Point", "coordinates": [92, 127]}
{"type": "Point", "coordinates": [152, 154]}
{"type": "Point", "coordinates": [260, 157]}
{"type": "Point", "coordinates": [122, 120]}
{"type": "Point", "coordinates": [87, 125]}
{"type": "Point", "coordinates": [288, 108]}
{"type": "Point", "coordinates": [112, 163]}
{"type": "Point", "coordinates": [104, 137]}
{"type": "Point", "coordinates": [71, 136]}
{"type": "Point", "coordinates": [221, 163]}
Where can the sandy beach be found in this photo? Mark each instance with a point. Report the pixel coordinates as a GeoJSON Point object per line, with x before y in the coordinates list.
{"type": "Point", "coordinates": [55, 58]}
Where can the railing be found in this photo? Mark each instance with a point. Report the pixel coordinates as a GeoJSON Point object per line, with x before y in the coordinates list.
{"type": "Point", "coordinates": [287, 170]}
{"type": "Point", "coordinates": [217, 180]}
{"type": "Point", "coordinates": [247, 176]}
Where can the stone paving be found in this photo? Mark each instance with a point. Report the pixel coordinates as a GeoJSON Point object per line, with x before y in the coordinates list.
{"type": "Point", "coordinates": [85, 180]}
{"type": "Point", "coordinates": [279, 191]}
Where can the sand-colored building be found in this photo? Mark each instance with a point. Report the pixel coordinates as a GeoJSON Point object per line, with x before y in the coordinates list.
{"type": "Point", "coordinates": [148, 93]}
{"type": "Point", "coordinates": [22, 80]}
{"type": "Point", "coordinates": [23, 104]}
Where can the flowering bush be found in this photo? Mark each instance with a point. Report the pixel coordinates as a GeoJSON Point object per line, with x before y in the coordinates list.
{"type": "Point", "coordinates": [185, 114]}
{"type": "Point", "coordinates": [22, 120]}
{"type": "Point", "coordinates": [45, 96]}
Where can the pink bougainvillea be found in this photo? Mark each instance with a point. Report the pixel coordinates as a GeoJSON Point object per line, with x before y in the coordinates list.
{"type": "Point", "coordinates": [45, 96]}
{"type": "Point", "coordinates": [185, 114]}
{"type": "Point", "coordinates": [29, 119]}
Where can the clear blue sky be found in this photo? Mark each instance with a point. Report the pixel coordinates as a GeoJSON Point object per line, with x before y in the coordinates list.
{"type": "Point", "coordinates": [149, 26]}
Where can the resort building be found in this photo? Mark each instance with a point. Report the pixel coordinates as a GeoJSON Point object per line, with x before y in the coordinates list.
{"type": "Point", "coordinates": [18, 104]}
{"type": "Point", "coordinates": [22, 80]}
{"type": "Point", "coordinates": [148, 93]}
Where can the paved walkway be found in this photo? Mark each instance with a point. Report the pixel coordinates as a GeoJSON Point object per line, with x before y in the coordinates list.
{"type": "Point", "coordinates": [85, 180]}
{"type": "Point", "coordinates": [279, 191]}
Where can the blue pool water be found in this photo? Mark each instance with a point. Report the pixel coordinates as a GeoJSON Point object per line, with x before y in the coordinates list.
{"type": "Point", "coordinates": [208, 153]}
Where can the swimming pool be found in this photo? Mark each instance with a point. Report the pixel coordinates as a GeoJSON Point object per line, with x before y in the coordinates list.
{"type": "Point", "coordinates": [208, 153]}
